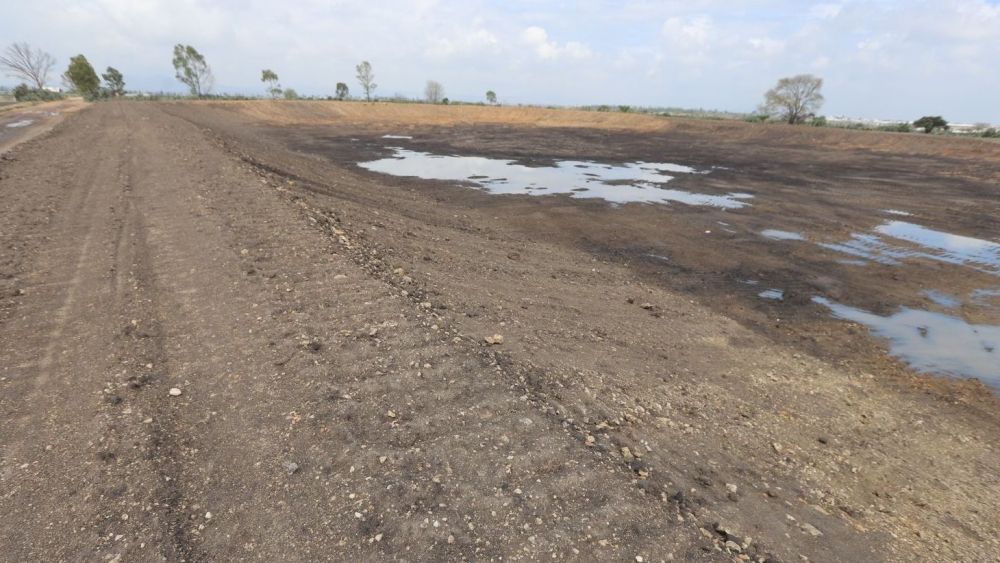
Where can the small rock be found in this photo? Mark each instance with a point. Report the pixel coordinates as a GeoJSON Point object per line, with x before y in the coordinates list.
{"type": "Point", "coordinates": [777, 447]}
{"type": "Point", "coordinates": [290, 466]}
{"type": "Point", "coordinates": [823, 440]}
{"type": "Point", "coordinates": [647, 306]}
{"type": "Point", "coordinates": [811, 530]}
{"type": "Point", "coordinates": [494, 340]}
{"type": "Point", "coordinates": [627, 454]}
{"type": "Point", "coordinates": [175, 392]}
{"type": "Point", "coordinates": [390, 413]}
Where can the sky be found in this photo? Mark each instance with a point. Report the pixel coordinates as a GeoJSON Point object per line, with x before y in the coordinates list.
{"type": "Point", "coordinates": [891, 59]}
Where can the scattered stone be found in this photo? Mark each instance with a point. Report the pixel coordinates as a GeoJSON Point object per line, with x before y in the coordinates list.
{"type": "Point", "coordinates": [290, 466]}
{"type": "Point", "coordinates": [777, 447]}
{"type": "Point", "coordinates": [647, 306]}
{"type": "Point", "coordinates": [823, 440]}
{"type": "Point", "coordinates": [175, 392]}
{"type": "Point", "coordinates": [810, 529]}
{"type": "Point", "coordinates": [390, 413]}
{"type": "Point", "coordinates": [494, 340]}
{"type": "Point", "coordinates": [627, 454]}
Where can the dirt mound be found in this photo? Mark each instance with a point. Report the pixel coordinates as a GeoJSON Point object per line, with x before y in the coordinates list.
{"type": "Point", "coordinates": [396, 117]}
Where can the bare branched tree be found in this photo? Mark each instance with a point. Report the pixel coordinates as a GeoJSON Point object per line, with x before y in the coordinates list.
{"type": "Point", "coordinates": [795, 98]}
{"type": "Point", "coordinates": [33, 65]}
{"type": "Point", "coordinates": [434, 91]}
{"type": "Point", "coordinates": [366, 78]}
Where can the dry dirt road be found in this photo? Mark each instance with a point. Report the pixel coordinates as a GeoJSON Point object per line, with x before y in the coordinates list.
{"type": "Point", "coordinates": [215, 348]}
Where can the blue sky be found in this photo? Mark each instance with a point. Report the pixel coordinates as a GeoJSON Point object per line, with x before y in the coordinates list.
{"type": "Point", "coordinates": [896, 59]}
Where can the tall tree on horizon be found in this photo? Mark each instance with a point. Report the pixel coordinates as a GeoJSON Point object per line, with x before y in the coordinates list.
{"type": "Point", "coordinates": [115, 81]}
{"type": "Point", "coordinates": [82, 76]}
{"type": "Point", "coordinates": [367, 79]}
{"type": "Point", "coordinates": [192, 70]}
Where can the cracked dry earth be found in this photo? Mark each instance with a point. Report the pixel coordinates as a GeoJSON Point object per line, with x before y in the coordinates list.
{"type": "Point", "coordinates": [214, 348]}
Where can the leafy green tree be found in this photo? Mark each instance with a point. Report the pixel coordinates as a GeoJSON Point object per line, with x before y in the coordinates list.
{"type": "Point", "coordinates": [82, 77]}
{"type": "Point", "coordinates": [931, 122]}
{"type": "Point", "coordinates": [192, 70]}
{"type": "Point", "coordinates": [491, 97]}
{"type": "Point", "coordinates": [342, 91]}
{"type": "Point", "coordinates": [367, 79]}
{"type": "Point", "coordinates": [795, 98]}
{"type": "Point", "coordinates": [269, 77]}
{"type": "Point", "coordinates": [114, 81]}
{"type": "Point", "coordinates": [291, 94]}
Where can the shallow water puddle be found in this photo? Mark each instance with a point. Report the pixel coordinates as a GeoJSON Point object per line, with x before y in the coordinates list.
{"type": "Point", "coordinates": [942, 299]}
{"type": "Point", "coordinates": [932, 342]}
{"type": "Point", "coordinates": [930, 244]}
{"type": "Point", "coordinates": [775, 234]}
{"type": "Point", "coordinates": [772, 294]}
{"type": "Point", "coordinates": [633, 182]}
{"type": "Point", "coordinates": [21, 123]}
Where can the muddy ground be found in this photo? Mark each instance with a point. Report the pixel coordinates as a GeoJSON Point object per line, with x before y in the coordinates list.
{"type": "Point", "coordinates": [325, 327]}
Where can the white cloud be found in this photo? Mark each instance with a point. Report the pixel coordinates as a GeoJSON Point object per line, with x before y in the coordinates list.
{"type": "Point", "coordinates": [707, 53]}
{"type": "Point", "coordinates": [538, 40]}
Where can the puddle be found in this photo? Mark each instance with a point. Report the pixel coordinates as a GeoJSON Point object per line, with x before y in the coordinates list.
{"type": "Point", "coordinates": [897, 212]}
{"type": "Point", "coordinates": [22, 123]}
{"type": "Point", "coordinates": [942, 299]}
{"type": "Point", "coordinates": [775, 234]}
{"type": "Point", "coordinates": [986, 299]}
{"type": "Point", "coordinates": [930, 244]}
{"type": "Point", "coordinates": [773, 294]}
{"type": "Point", "coordinates": [932, 342]}
{"type": "Point", "coordinates": [396, 137]}
{"type": "Point", "coordinates": [634, 182]}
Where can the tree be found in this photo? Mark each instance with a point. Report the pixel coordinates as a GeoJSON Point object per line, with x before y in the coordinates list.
{"type": "Point", "coordinates": [115, 81]}
{"type": "Point", "coordinates": [366, 78]}
{"type": "Point", "coordinates": [342, 91]}
{"type": "Point", "coordinates": [434, 91]}
{"type": "Point", "coordinates": [269, 77]}
{"type": "Point", "coordinates": [32, 65]}
{"type": "Point", "coordinates": [192, 70]}
{"type": "Point", "coordinates": [291, 94]}
{"type": "Point", "coordinates": [491, 97]}
{"type": "Point", "coordinates": [795, 98]}
{"type": "Point", "coordinates": [931, 122]}
{"type": "Point", "coordinates": [82, 77]}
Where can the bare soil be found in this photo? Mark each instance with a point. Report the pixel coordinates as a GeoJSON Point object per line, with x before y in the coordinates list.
{"type": "Point", "coordinates": [325, 327]}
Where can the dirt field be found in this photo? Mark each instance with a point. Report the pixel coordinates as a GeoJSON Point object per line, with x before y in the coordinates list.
{"type": "Point", "coordinates": [221, 339]}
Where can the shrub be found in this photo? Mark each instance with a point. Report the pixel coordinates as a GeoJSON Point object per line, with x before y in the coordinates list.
{"type": "Point", "coordinates": [991, 133]}
{"type": "Point", "coordinates": [818, 121]}
{"type": "Point", "coordinates": [897, 128]}
{"type": "Point", "coordinates": [25, 93]}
